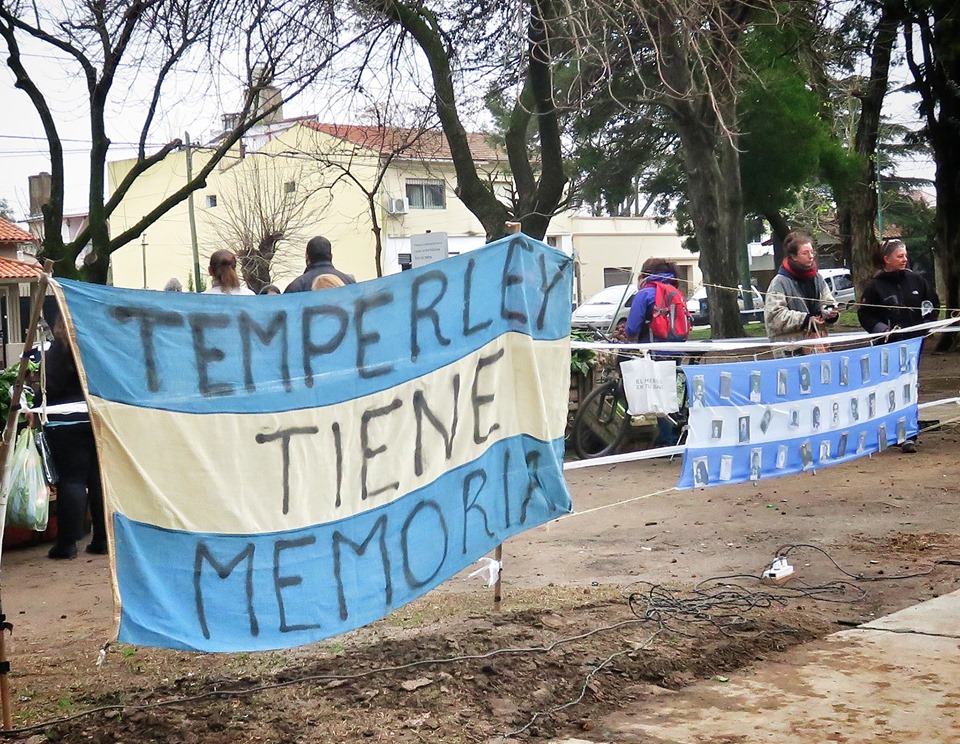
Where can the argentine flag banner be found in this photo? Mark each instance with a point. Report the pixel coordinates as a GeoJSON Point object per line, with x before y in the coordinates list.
{"type": "Point", "coordinates": [755, 420]}
{"type": "Point", "coordinates": [281, 469]}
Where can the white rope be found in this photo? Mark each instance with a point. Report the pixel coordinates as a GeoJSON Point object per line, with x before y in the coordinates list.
{"type": "Point", "coordinates": [616, 503]}
{"type": "Point", "coordinates": [941, 402]}
{"type": "Point", "coordinates": [647, 454]}
{"type": "Point", "coordinates": [650, 454]}
{"type": "Point", "coordinates": [948, 325]}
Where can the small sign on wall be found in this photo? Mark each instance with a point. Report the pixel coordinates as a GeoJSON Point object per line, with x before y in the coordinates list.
{"type": "Point", "coordinates": [427, 248]}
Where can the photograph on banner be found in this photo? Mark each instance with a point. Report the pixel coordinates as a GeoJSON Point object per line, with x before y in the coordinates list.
{"type": "Point", "coordinates": [281, 472]}
{"type": "Point", "coordinates": [761, 419]}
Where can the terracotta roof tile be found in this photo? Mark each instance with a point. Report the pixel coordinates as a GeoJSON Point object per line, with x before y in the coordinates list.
{"type": "Point", "coordinates": [10, 233]}
{"type": "Point", "coordinates": [11, 269]}
{"type": "Point", "coordinates": [408, 143]}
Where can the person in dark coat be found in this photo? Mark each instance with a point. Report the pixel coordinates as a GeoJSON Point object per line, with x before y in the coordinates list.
{"type": "Point", "coordinates": [74, 455]}
{"type": "Point", "coordinates": [895, 296]}
{"type": "Point", "coordinates": [319, 261]}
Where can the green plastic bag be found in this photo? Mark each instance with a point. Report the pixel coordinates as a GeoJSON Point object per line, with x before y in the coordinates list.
{"type": "Point", "coordinates": [28, 498]}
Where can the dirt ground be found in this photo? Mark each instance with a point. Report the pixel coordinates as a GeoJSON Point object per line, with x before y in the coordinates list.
{"type": "Point", "coordinates": [642, 590]}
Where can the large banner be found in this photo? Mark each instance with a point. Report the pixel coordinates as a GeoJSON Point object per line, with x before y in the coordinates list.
{"type": "Point", "coordinates": [281, 469]}
{"type": "Point", "coordinates": [755, 420]}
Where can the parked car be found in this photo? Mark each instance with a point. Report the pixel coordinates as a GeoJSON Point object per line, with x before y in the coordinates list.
{"type": "Point", "coordinates": [607, 307]}
{"type": "Point", "coordinates": [841, 284]}
{"type": "Point", "coordinates": [699, 308]}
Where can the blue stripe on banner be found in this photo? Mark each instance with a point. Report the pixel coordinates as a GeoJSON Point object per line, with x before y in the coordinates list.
{"type": "Point", "coordinates": [745, 387]}
{"type": "Point", "coordinates": [232, 354]}
{"type": "Point", "coordinates": [796, 378]}
{"type": "Point", "coordinates": [211, 592]}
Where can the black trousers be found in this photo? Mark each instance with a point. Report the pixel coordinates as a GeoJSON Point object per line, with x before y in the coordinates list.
{"type": "Point", "coordinates": [78, 487]}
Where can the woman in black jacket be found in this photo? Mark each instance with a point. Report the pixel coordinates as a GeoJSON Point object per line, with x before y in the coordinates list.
{"type": "Point", "coordinates": [895, 297]}
{"type": "Point", "coordinates": [74, 454]}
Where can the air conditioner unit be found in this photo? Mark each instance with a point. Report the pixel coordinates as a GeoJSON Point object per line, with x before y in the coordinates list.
{"type": "Point", "coordinates": [397, 205]}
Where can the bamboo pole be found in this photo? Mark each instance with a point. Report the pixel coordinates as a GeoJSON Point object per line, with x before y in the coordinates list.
{"type": "Point", "coordinates": [9, 430]}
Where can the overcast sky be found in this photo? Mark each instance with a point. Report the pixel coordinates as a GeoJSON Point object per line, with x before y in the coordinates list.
{"type": "Point", "coordinates": [190, 107]}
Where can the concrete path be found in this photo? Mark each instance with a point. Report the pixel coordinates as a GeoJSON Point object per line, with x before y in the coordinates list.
{"type": "Point", "coordinates": [895, 680]}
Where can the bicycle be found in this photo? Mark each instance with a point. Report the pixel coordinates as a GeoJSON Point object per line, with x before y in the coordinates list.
{"type": "Point", "coordinates": [602, 422]}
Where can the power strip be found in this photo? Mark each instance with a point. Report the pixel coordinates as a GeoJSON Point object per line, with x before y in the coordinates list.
{"type": "Point", "coordinates": [779, 572]}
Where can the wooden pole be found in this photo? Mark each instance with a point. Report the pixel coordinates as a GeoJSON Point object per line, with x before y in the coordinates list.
{"type": "Point", "coordinates": [512, 228]}
{"type": "Point", "coordinates": [498, 557]}
{"type": "Point", "coordinates": [9, 430]}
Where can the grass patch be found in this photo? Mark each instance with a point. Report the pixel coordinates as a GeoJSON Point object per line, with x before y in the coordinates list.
{"type": "Point", "coordinates": [848, 322]}
{"type": "Point", "coordinates": [750, 329]}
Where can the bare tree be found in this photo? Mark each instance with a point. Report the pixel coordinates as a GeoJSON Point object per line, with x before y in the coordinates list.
{"type": "Point", "coordinates": [684, 58]}
{"type": "Point", "coordinates": [349, 162]}
{"type": "Point", "coordinates": [685, 55]}
{"type": "Point", "coordinates": [479, 39]}
{"type": "Point", "coordinates": [268, 201]}
{"type": "Point", "coordinates": [116, 47]}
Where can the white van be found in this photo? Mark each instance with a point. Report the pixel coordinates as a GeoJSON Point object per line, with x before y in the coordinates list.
{"type": "Point", "coordinates": [841, 285]}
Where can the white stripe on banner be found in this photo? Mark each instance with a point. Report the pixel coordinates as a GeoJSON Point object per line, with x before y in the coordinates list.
{"type": "Point", "coordinates": [761, 419]}
{"type": "Point", "coordinates": [727, 426]}
{"type": "Point", "coordinates": [329, 463]}
{"type": "Point", "coordinates": [279, 470]}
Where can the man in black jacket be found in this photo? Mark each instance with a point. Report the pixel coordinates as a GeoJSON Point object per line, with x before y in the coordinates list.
{"type": "Point", "coordinates": [319, 261]}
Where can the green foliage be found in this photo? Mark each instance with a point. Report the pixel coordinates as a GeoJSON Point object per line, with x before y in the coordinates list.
{"type": "Point", "coordinates": [786, 142]}
{"type": "Point", "coordinates": [203, 283]}
{"type": "Point", "coordinates": [8, 379]}
{"type": "Point", "coordinates": [581, 360]}
{"type": "Point", "coordinates": [6, 212]}
{"type": "Point", "coordinates": [915, 219]}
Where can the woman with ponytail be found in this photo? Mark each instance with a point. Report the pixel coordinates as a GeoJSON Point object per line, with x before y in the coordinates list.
{"type": "Point", "coordinates": [223, 275]}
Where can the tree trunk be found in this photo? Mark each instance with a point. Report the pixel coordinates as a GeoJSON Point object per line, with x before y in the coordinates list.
{"type": "Point", "coordinates": [712, 165]}
{"type": "Point", "coordinates": [862, 198]}
{"type": "Point", "coordinates": [779, 229]}
{"type": "Point", "coordinates": [705, 115]}
{"type": "Point", "coordinates": [538, 198]}
{"type": "Point", "coordinates": [932, 28]}
{"type": "Point", "coordinates": [947, 221]}
{"type": "Point", "coordinates": [861, 202]}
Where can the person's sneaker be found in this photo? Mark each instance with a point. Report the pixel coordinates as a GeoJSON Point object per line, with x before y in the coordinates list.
{"type": "Point", "coordinates": [97, 548]}
{"type": "Point", "coordinates": [62, 552]}
{"type": "Point", "coordinates": [908, 447]}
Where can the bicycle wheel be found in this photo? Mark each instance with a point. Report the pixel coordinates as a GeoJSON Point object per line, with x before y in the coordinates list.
{"type": "Point", "coordinates": [602, 421]}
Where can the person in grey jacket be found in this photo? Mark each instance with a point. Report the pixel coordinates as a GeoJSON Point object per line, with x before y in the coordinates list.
{"type": "Point", "coordinates": [798, 298]}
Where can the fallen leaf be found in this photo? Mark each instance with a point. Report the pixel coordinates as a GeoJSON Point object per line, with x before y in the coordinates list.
{"type": "Point", "coordinates": [415, 684]}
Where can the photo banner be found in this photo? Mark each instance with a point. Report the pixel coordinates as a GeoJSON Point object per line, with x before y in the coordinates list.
{"type": "Point", "coordinates": [282, 469]}
{"type": "Point", "coordinates": [755, 420]}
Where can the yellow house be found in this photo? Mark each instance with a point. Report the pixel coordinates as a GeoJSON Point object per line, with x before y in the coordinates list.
{"type": "Point", "coordinates": [333, 180]}
{"type": "Point", "coordinates": [299, 178]}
